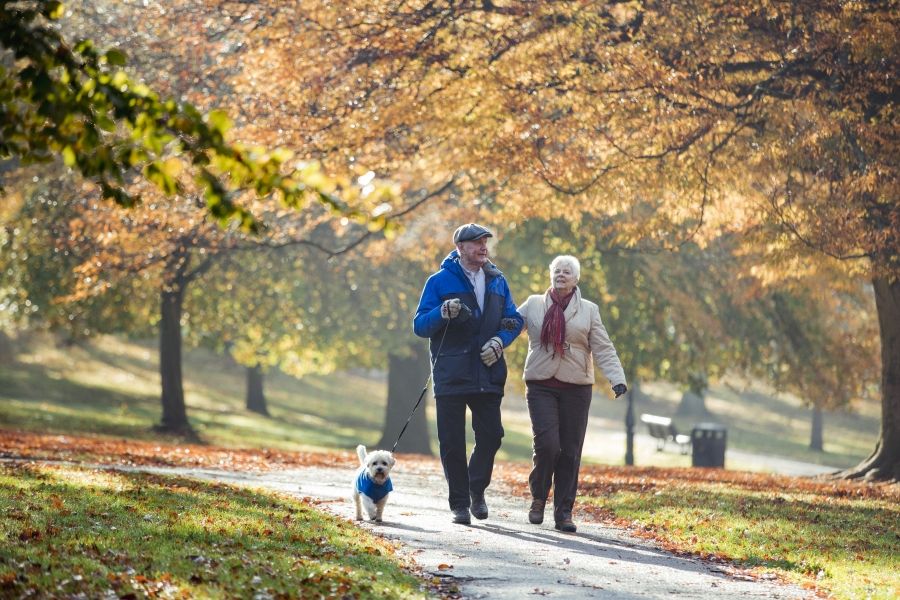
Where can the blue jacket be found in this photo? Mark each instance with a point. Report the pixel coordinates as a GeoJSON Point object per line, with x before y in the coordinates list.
{"type": "Point", "coordinates": [456, 363]}
{"type": "Point", "coordinates": [366, 485]}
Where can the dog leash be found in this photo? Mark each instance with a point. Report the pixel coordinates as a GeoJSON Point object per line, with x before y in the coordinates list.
{"type": "Point", "coordinates": [424, 389]}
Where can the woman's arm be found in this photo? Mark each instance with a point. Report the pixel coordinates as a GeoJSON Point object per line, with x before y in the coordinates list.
{"type": "Point", "coordinates": [605, 356]}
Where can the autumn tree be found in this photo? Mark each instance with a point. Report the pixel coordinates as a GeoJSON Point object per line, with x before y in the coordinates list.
{"type": "Point", "coordinates": [694, 119]}
{"type": "Point", "coordinates": [267, 308]}
{"type": "Point", "coordinates": [39, 270]}
{"type": "Point", "coordinates": [385, 283]}
{"type": "Point", "coordinates": [74, 100]}
{"type": "Point", "coordinates": [674, 315]}
{"type": "Point", "coordinates": [168, 242]}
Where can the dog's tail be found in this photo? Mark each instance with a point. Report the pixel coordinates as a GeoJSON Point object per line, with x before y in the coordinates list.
{"type": "Point", "coordinates": [361, 453]}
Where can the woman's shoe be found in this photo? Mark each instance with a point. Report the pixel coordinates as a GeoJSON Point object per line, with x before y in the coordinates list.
{"type": "Point", "coordinates": [536, 512]}
{"type": "Point", "coordinates": [566, 525]}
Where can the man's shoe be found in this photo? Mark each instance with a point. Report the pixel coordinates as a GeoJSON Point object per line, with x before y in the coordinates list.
{"type": "Point", "coordinates": [479, 507]}
{"type": "Point", "coordinates": [566, 525]}
{"type": "Point", "coordinates": [461, 516]}
{"type": "Point", "coordinates": [536, 512]}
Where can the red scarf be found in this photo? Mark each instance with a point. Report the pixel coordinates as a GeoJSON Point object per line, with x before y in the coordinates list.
{"type": "Point", "coordinates": [553, 330]}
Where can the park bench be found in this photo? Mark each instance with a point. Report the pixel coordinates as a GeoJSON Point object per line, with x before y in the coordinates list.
{"type": "Point", "coordinates": [664, 431]}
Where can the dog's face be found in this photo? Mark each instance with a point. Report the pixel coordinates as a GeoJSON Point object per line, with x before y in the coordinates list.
{"type": "Point", "coordinates": [379, 464]}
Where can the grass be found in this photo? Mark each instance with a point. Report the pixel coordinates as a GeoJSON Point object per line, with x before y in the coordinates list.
{"type": "Point", "coordinates": [69, 530]}
{"type": "Point", "coordinates": [111, 387]}
{"type": "Point", "coordinates": [76, 532]}
{"type": "Point", "coordinates": [839, 538]}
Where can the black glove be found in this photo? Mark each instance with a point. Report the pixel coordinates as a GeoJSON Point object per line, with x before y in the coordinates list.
{"type": "Point", "coordinates": [619, 389]}
{"type": "Point", "coordinates": [464, 312]}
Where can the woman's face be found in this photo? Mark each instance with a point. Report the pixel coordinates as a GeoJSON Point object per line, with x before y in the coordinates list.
{"type": "Point", "coordinates": [562, 278]}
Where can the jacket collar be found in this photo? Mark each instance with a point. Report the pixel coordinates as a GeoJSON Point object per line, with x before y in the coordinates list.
{"type": "Point", "coordinates": [571, 309]}
{"type": "Point", "coordinates": [452, 260]}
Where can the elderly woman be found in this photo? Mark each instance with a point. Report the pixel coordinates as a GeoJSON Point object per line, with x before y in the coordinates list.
{"type": "Point", "coordinates": [564, 334]}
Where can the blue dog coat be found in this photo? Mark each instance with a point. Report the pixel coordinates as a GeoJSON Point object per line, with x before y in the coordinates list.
{"type": "Point", "coordinates": [366, 485]}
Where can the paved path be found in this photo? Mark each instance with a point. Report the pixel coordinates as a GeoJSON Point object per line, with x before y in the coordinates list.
{"type": "Point", "coordinates": [506, 557]}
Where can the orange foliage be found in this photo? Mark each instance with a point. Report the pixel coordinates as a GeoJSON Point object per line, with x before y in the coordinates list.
{"type": "Point", "coordinates": [45, 446]}
{"type": "Point", "coordinates": [594, 480]}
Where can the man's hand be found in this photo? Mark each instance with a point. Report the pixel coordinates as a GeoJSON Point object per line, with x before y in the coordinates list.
{"type": "Point", "coordinates": [619, 389]}
{"type": "Point", "coordinates": [450, 308]}
{"type": "Point", "coordinates": [492, 351]}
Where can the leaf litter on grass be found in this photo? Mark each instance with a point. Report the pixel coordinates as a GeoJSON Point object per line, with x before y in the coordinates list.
{"type": "Point", "coordinates": [836, 536]}
{"type": "Point", "coordinates": [201, 539]}
{"type": "Point", "coordinates": [637, 499]}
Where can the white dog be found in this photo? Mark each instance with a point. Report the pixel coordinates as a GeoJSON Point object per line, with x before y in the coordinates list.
{"type": "Point", "coordinates": [373, 482]}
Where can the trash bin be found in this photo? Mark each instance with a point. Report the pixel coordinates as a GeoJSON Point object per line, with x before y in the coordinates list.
{"type": "Point", "coordinates": [708, 443]}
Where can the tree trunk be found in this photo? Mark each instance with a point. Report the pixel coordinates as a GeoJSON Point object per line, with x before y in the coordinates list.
{"type": "Point", "coordinates": [884, 462]}
{"type": "Point", "coordinates": [815, 435]}
{"type": "Point", "coordinates": [7, 349]}
{"type": "Point", "coordinates": [693, 401]}
{"type": "Point", "coordinates": [174, 413]}
{"type": "Point", "coordinates": [632, 396]}
{"type": "Point", "coordinates": [256, 399]}
{"type": "Point", "coordinates": [634, 388]}
{"type": "Point", "coordinates": [406, 377]}
{"type": "Point", "coordinates": [692, 405]}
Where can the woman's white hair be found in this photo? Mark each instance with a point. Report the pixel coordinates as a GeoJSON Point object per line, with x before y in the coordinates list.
{"type": "Point", "coordinates": [565, 259]}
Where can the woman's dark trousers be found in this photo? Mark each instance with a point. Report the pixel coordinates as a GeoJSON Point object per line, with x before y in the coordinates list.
{"type": "Point", "coordinates": [559, 419]}
{"type": "Point", "coordinates": [451, 425]}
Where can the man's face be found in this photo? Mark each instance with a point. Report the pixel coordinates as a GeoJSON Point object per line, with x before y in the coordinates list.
{"type": "Point", "coordinates": [473, 253]}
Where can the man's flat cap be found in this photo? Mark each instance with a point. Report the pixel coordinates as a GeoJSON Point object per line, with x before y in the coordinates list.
{"type": "Point", "coordinates": [470, 232]}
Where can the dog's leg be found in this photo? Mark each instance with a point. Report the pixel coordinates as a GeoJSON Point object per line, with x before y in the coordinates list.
{"type": "Point", "coordinates": [369, 506]}
{"type": "Point", "coordinates": [358, 505]}
{"type": "Point", "coordinates": [379, 509]}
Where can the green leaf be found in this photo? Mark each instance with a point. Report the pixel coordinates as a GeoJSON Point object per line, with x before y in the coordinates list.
{"type": "Point", "coordinates": [53, 10]}
{"type": "Point", "coordinates": [84, 46]}
{"type": "Point", "coordinates": [105, 123]}
{"type": "Point", "coordinates": [158, 174]}
{"type": "Point", "coordinates": [116, 57]}
{"type": "Point", "coordinates": [120, 79]}
{"type": "Point", "coordinates": [68, 154]}
{"type": "Point", "coordinates": [219, 120]}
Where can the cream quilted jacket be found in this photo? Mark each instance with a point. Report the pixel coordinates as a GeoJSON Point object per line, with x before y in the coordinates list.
{"type": "Point", "coordinates": [586, 338]}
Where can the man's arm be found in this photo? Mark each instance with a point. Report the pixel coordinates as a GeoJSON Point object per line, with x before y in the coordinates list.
{"type": "Point", "coordinates": [428, 319]}
{"type": "Point", "coordinates": [512, 322]}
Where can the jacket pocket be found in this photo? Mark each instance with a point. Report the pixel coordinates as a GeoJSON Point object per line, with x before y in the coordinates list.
{"type": "Point", "coordinates": [453, 367]}
{"type": "Point", "coordinates": [497, 372]}
{"type": "Point", "coordinates": [582, 358]}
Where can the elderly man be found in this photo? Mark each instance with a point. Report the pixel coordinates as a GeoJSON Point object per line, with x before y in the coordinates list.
{"type": "Point", "coordinates": [467, 311]}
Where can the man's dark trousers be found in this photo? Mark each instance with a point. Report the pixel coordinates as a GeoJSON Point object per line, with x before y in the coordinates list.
{"type": "Point", "coordinates": [451, 425]}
